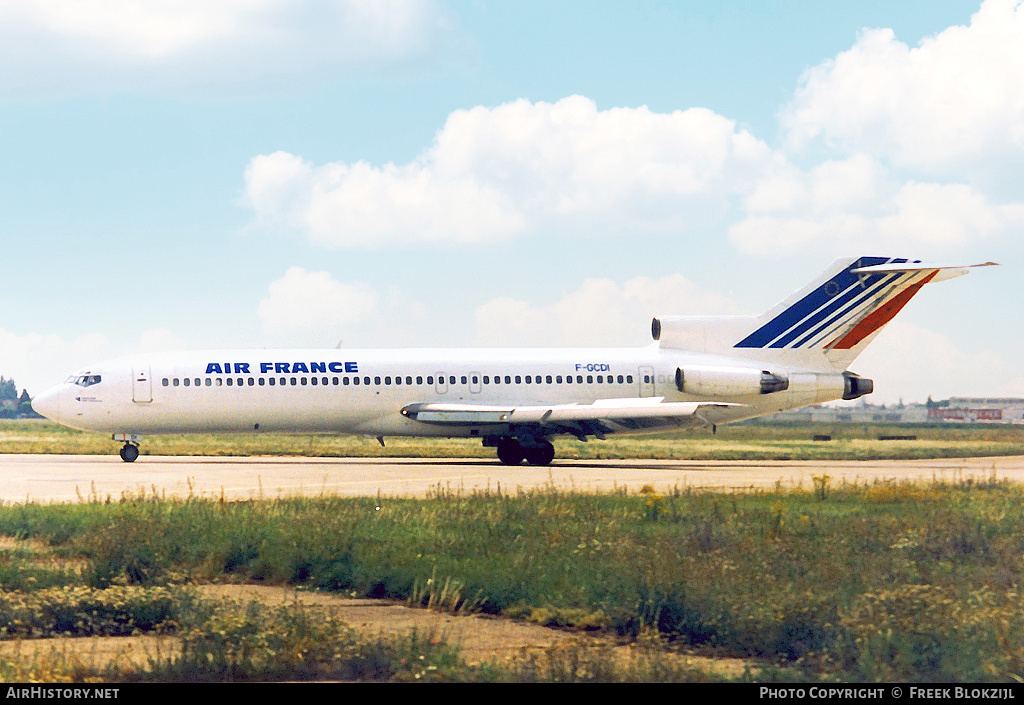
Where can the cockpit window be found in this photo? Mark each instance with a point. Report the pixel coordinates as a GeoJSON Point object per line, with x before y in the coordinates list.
{"type": "Point", "coordinates": [87, 380]}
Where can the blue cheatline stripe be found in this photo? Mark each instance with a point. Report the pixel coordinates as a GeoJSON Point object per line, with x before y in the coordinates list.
{"type": "Point", "coordinates": [835, 317]}
{"type": "Point", "coordinates": [810, 303]}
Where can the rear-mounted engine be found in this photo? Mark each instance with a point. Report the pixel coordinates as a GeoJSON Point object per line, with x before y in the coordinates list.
{"type": "Point", "coordinates": [855, 386]}
{"type": "Point", "coordinates": [728, 381]}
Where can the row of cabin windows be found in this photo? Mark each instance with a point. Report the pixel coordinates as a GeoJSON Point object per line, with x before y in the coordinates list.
{"type": "Point", "coordinates": [408, 380]}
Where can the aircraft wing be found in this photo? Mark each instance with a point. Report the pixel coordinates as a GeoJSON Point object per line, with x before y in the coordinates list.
{"type": "Point", "coordinates": [596, 419]}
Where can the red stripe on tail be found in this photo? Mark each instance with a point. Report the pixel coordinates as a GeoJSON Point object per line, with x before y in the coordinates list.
{"type": "Point", "coordinates": [879, 317]}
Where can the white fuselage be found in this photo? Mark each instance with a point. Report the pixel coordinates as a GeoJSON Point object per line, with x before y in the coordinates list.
{"type": "Point", "coordinates": [364, 391]}
{"type": "Point", "coordinates": [702, 371]}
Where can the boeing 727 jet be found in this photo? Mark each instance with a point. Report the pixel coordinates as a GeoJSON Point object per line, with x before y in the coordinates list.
{"type": "Point", "coordinates": [700, 371]}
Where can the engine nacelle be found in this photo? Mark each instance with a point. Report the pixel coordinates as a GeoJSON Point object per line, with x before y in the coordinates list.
{"type": "Point", "coordinates": [728, 381]}
{"type": "Point", "coordinates": [855, 386]}
{"type": "Point", "coordinates": [700, 333]}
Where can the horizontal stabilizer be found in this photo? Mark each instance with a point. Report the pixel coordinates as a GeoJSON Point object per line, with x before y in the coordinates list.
{"type": "Point", "coordinates": [917, 267]}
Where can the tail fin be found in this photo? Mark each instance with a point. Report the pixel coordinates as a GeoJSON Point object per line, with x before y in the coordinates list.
{"type": "Point", "coordinates": [825, 325]}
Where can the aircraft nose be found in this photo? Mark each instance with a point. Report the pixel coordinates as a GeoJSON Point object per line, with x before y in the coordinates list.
{"type": "Point", "coordinates": [48, 403]}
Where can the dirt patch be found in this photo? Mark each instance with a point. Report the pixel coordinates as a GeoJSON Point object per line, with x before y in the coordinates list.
{"type": "Point", "coordinates": [481, 639]}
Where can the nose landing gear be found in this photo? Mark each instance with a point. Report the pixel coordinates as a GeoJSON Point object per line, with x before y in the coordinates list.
{"type": "Point", "coordinates": [130, 450]}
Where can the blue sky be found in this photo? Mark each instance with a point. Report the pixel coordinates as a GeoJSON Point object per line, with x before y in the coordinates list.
{"type": "Point", "coordinates": [268, 173]}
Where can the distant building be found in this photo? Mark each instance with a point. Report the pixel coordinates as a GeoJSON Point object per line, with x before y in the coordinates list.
{"type": "Point", "coordinates": [962, 410]}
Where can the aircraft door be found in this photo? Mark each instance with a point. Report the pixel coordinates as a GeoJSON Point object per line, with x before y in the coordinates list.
{"type": "Point", "coordinates": [474, 383]}
{"type": "Point", "coordinates": [442, 383]}
{"type": "Point", "coordinates": [646, 375]}
{"type": "Point", "coordinates": [142, 385]}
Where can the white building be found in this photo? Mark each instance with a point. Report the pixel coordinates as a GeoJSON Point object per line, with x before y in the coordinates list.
{"type": "Point", "coordinates": [963, 410]}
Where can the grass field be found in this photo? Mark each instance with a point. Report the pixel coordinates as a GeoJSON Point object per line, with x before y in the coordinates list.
{"type": "Point", "coordinates": [735, 442]}
{"type": "Point", "coordinates": [872, 582]}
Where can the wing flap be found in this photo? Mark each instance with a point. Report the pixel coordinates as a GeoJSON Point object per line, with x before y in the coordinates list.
{"type": "Point", "coordinates": [632, 412]}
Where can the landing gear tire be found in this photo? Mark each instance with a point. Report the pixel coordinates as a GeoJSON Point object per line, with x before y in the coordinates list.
{"type": "Point", "coordinates": [129, 453]}
{"type": "Point", "coordinates": [541, 454]}
{"type": "Point", "coordinates": [510, 452]}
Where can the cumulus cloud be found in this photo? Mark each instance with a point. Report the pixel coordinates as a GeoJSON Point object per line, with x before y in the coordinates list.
{"type": "Point", "coordinates": [953, 103]}
{"type": "Point", "coordinates": [301, 301]}
{"type": "Point", "coordinates": [497, 173]}
{"type": "Point", "coordinates": [855, 205]}
{"type": "Point", "coordinates": [914, 363]}
{"type": "Point", "coordinates": [80, 45]}
{"type": "Point", "coordinates": [599, 313]}
{"type": "Point", "coordinates": [36, 361]}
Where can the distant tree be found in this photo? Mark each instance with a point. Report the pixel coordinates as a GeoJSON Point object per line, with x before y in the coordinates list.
{"type": "Point", "coordinates": [25, 409]}
{"type": "Point", "coordinates": [8, 390]}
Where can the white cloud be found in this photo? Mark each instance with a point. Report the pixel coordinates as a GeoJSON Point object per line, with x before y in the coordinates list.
{"type": "Point", "coordinates": [36, 362]}
{"type": "Point", "coordinates": [953, 103]}
{"type": "Point", "coordinates": [599, 313]}
{"type": "Point", "coordinates": [496, 173]}
{"type": "Point", "coordinates": [568, 169]}
{"type": "Point", "coordinates": [79, 45]}
{"type": "Point", "coordinates": [855, 205]}
{"type": "Point", "coordinates": [301, 301]}
{"type": "Point", "coordinates": [910, 362]}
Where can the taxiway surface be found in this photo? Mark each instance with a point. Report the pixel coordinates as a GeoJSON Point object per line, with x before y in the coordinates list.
{"type": "Point", "coordinates": [64, 478]}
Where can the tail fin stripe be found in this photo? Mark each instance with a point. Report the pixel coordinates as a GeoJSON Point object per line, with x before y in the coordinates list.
{"type": "Point", "coordinates": [848, 320]}
{"type": "Point", "coordinates": [851, 299]}
{"type": "Point", "coordinates": [809, 304]}
{"type": "Point", "coordinates": [876, 319]}
{"type": "Point", "coordinates": [853, 310]}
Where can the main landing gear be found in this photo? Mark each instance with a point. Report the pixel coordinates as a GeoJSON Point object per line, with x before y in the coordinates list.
{"type": "Point", "coordinates": [129, 452]}
{"type": "Point", "coordinates": [512, 452]}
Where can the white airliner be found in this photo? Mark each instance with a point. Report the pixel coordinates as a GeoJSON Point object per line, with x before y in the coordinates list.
{"type": "Point", "coordinates": [701, 371]}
